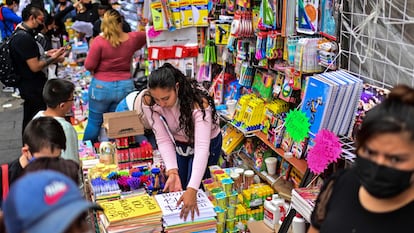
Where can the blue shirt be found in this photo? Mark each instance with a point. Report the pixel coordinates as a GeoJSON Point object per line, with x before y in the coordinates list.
{"type": "Point", "coordinates": [10, 20]}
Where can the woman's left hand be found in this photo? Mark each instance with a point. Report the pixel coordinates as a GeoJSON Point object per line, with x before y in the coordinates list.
{"type": "Point", "coordinates": [189, 200]}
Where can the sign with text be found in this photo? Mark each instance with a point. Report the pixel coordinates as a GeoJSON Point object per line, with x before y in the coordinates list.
{"type": "Point", "coordinates": [131, 207]}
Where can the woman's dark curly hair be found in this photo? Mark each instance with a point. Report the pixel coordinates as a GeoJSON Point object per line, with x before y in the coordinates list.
{"type": "Point", "coordinates": [190, 94]}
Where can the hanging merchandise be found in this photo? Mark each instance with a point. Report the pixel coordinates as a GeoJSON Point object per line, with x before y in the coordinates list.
{"type": "Point", "coordinates": [222, 32]}
{"type": "Point", "coordinates": [175, 13]}
{"type": "Point", "coordinates": [307, 16]}
{"type": "Point", "coordinates": [327, 53]}
{"type": "Point", "coordinates": [263, 84]}
{"type": "Point", "coordinates": [267, 17]}
{"type": "Point", "coordinates": [158, 17]}
{"type": "Point", "coordinates": [246, 75]}
{"type": "Point", "coordinates": [203, 73]}
{"type": "Point", "coordinates": [216, 89]}
{"type": "Point", "coordinates": [274, 45]}
{"type": "Point", "coordinates": [328, 19]}
{"type": "Point", "coordinates": [200, 13]}
{"type": "Point", "coordinates": [230, 6]}
{"type": "Point", "coordinates": [186, 13]}
{"type": "Point", "coordinates": [210, 52]}
{"type": "Point", "coordinates": [290, 8]}
{"type": "Point", "coordinates": [261, 46]}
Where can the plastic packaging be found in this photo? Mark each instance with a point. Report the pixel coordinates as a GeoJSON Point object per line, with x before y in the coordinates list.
{"type": "Point", "coordinates": [298, 224]}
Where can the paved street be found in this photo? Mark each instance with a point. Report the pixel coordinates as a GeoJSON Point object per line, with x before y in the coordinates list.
{"type": "Point", "coordinates": [11, 115]}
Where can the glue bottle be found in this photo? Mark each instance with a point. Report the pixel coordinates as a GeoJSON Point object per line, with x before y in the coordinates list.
{"type": "Point", "coordinates": [298, 224]}
{"type": "Point", "coordinates": [271, 213]}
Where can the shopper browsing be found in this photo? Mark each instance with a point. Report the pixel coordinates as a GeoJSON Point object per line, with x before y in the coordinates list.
{"type": "Point", "coordinates": [58, 96]}
{"type": "Point", "coordinates": [43, 137]}
{"type": "Point", "coordinates": [27, 59]}
{"type": "Point", "coordinates": [46, 201]}
{"type": "Point", "coordinates": [377, 194]}
{"type": "Point", "coordinates": [109, 60]}
{"type": "Point", "coordinates": [186, 127]}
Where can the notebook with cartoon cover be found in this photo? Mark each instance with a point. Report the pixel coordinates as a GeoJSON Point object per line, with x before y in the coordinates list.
{"type": "Point", "coordinates": [316, 102]}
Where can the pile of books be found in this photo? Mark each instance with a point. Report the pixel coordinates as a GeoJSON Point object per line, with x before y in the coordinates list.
{"type": "Point", "coordinates": [139, 213]}
{"type": "Point", "coordinates": [303, 200]}
{"type": "Point", "coordinates": [330, 101]}
{"type": "Point", "coordinates": [205, 222]}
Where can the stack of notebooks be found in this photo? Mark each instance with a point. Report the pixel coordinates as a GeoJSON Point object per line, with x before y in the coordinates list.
{"type": "Point", "coordinates": [139, 213]}
{"type": "Point", "coordinates": [205, 222]}
{"type": "Point", "coordinates": [303, 200]}
{"type": "Point", "coordinates": [330, 101]}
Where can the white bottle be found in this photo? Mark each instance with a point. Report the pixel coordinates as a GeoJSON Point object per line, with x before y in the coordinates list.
{"type": "Point", "coordinates": [298, 224]}
{"type": "Point", "coordinates": [271, 213]}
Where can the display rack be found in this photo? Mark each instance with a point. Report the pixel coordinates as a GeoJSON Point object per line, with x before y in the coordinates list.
{"type": "Point", "coordinates": [279, 185]}
{"type": "Point", "coordinates": [377, 41]}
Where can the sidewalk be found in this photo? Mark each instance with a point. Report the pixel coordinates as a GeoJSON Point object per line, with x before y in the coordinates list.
{"type": "Point", "coordinates": [11, 116]}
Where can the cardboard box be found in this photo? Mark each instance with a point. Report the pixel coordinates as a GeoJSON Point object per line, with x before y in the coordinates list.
{"type": "Point", "coordinates": [122, 124]}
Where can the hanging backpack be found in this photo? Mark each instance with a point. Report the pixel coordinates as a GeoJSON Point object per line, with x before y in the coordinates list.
{"type": "Point", "coordinates": [8, 74]}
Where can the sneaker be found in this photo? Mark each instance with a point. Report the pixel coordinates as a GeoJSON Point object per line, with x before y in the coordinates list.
{"type": "Point", "coordinates": [8, 89]}
{"type": "Point", "coordinates": [16, 94]}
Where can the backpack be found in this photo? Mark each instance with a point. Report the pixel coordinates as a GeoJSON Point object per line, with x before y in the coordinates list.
{"type": "Point", "coordinates": [8, 74]}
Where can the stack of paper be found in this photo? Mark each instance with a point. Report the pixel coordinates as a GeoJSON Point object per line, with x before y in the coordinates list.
{"type": "Point", "coordinates": [330, 101]}
{"type": "Point", "coordinates": [303, 200]}
{"type": "Point", "coordinates": [133, 214]}
{"type": "Point", "coordinates": [205, 222]}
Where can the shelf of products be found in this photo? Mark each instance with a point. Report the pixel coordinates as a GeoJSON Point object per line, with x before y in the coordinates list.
{"type": "Point", "coordinates": [280, 185]}
{"type": "Point", "coordinates": [299, 164]}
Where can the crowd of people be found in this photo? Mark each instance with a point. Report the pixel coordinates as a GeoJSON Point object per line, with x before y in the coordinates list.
{"type": "Point", "coordinates": [180, 119]}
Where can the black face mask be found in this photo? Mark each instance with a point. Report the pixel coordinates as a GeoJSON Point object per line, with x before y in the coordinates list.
{"type": "Point", "coordinates": [39, 28]}
{"type": "Point", "coordinates": [382, 181]}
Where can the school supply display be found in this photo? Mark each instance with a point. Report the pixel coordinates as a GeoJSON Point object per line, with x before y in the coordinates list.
{"type": "Point", "coordinates": [172, 222]}
{"type": "Point", "coordinates": [330, 100]}
{"type": "Point", "coordinates": [139, 213]}
{"type": "Point", "coordinates": [307, 16]}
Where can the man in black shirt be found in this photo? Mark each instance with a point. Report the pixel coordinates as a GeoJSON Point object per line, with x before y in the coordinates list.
{"type": "Point", "coordinates": [43, 137]}
{"type": "Point", "coordinates": [27, 60]}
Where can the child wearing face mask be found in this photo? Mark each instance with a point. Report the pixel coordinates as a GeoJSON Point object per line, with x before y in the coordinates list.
{"type": "Point", "coordinates": [42, 137]}
{"type": "Point", "coordinates": [377, 194]}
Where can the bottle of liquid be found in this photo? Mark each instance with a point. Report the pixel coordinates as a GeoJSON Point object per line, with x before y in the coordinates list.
{"type": "Point", "coordinates": [298, 224]}
{"type": "Point", "coordinates": [271, 213]}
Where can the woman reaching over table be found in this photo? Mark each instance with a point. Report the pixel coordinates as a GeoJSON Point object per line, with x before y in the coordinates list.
{"type": "Point", "coordinates": [186, 127]}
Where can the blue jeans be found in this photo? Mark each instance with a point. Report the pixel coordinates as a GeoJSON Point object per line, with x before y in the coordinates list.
{"type": "Point", "coordinates": [185, 163]}
{"type": "Point", "coordinates": [103, 98]}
